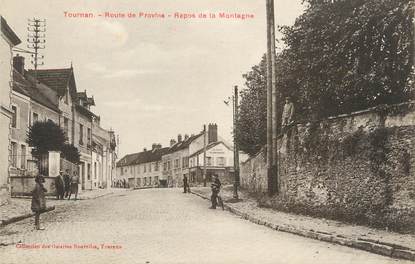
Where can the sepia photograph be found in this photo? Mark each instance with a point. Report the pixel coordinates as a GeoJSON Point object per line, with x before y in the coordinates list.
{"type": "Point", "coordinates": [207, 131]}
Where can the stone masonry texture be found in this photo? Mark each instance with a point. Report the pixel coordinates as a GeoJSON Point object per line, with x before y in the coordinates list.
{"type": "Point", "coordinates": [357, 168]}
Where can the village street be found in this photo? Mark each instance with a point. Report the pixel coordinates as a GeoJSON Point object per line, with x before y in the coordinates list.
{"type": "Point", "coordinates": [161, 226]}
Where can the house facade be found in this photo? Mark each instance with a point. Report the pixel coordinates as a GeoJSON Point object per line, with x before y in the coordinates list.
{"type": "Point", "coordinates": [8, 39]}
{"type": "Point", "coordinates": [142, 169]}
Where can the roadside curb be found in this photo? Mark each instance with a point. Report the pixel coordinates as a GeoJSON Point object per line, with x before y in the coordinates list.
{"type": "Point", "coordinates": [22, 217]}
{"type": "Point", "coordinates": [376, 247]}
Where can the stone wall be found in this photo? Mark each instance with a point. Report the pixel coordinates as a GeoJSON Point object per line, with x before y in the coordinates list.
{"type": "Point", "coordinates": [23, 185]}
{"type": "Point", "coordinates": [358, 168]}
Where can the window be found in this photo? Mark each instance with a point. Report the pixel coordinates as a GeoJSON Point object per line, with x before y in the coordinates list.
{"type": "Point", "coordinates": [14, 154]}
{"type": "Point", "coordinates": [149, 167]}
{"type": "Point", "coordinates": [144, 168]}
{"type": "Point", "coordinates": [14, 116]}
{"type": "Point", "coordinates": [145, 181]}
{"type": "Point", "coordinates": [156, 180]}
{"type": "Point", "coordinates": [191, 162]}
{"type": "Point", "coordinates": [149, 180]}
{"type": "Point", "coordinates": [209, 161]}
{"type": "Point", "coordinates": [168, 165]}
{"type": "Point", "coordinates": [184, 162]}
{"type": "Point", "coordinates": [220, 161]}
{"type": "Point", "coordinates": [81, 134]}
{"type": "Point", "coordinates": [66, 126]}
{"type": "Point", "coordinates": [35, 117]}
{"type": "Point", "coordinates": [23, 157]}
{"type": "Point", "coordinates": [137, 169]}
{"type": "Point", "coordinates": [122, 171]}
{"type": "Point", "coordinates": [89, 172]}
{"type": "Point", "coordinates": [156, 166]}
{"type": "Point", "coordinates": [89, 137]}
{"type": "Point", "coordinates": [176, 163]}
{"type": "Point", "coordinates": [95, 170]}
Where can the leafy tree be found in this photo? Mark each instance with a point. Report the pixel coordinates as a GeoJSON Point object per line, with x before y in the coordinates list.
{"type": "Point", "coordinates": [45, 136]}
{"type": "Point", "coordinates": [344, 56]}
{"type": "Point", "coordinates": [71, 153]}
{"type": "Point", "coordinates": [252, 120]}
{"type": "Point", "coordinates": [340, 56]}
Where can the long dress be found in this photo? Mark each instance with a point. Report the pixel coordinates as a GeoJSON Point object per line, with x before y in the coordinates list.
{"type": "Point", "coordinates": [38, 198]}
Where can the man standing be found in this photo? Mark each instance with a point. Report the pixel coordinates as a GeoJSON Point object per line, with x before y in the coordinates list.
{"type": "Point", "coordinates": [185, 184]}
{"type": "Point", "coordinates": [287, 114]}
{"type": "Point", "coordinates": [60, 186]}
{"type": "Point", "coordinates": [67, 182]}
{"type": "Point", "coordinates": [215, 186]}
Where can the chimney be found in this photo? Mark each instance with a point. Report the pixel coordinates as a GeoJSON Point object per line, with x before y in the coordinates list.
{"type": "Point", "coordinates": [18, 63]}
{"type": "Point", "coordinates": [186, 136]}
{"type": "Point", "coordinates": [212, 133]}
{"type": "Point", "coordinates": [144, 149]}
{"type": "Point", "coordinates": [179, 138]}
{"type": "Point", "coordinates": [172, 142]}
{"type": "Point", "coordinates": [154, 146]}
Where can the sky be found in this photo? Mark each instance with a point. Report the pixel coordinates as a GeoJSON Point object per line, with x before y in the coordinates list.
{"type": "Point", "coordinates": [153, 78]}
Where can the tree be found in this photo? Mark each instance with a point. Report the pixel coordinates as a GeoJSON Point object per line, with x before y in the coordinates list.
{"type": "Point", "coordinates": [344, 56]}
{"type": "Point", "coordinates": [252, 121]}
{"type": "Point", "coordinates": [71, 153]}
{"type": "Point", "coordinates": [45, 136]}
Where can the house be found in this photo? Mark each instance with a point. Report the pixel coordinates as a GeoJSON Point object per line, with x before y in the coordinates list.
{"type": "Point", "coordinates": [176, 162]}
{"type": "Point", "coordinates": [219, 160]}
{"type": "Point", "coordinates": [8, 40]}
{"type": "Point", "coordinates": [29, 105]}
{"type": "Point", "coordinates": [142, 169]}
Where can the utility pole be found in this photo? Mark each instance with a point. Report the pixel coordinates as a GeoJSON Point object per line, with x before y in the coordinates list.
{"type": "Point", "coordinates": [272, 154]}
{"type": "Point", "coordinates": [204, 155]}
{"type": "Point", "coordinates": [36, 41]}
{"type": "Point", "coordinates": [235, 144]}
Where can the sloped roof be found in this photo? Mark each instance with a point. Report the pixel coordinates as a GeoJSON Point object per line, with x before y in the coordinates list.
{"type": "Point", "coordinates": [211, 145]}
{"type": "Point", "coordinates": [8, 32]}
{"type": "Point", "coordinates": [142, 157]}
{"type": "Point", "coordinates": [25, 86]}
{"type": "Point", "coordinates": [57, 79]}
{"type": "Point", "coordinates": [184, 144]}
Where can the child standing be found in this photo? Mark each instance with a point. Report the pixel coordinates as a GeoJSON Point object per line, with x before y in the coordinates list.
{"type": "Point", "coordinates": [38, 200]}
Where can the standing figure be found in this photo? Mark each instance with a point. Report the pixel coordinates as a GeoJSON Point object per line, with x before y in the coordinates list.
{"type": "Point", "coordinates": [215, 186]}
{"type": "Point", "coordinates": [288, 112]}
{"type": "Point", "coordinates": [67, 182]}
{"type": "Point", "coordinates": [185, 184]}
{"type": "Point", "coordinates": [60, 186]}
{"type": "Point", "coordinates": [38, 200]}
{"type": "Point", "coordinates": [74, 185]}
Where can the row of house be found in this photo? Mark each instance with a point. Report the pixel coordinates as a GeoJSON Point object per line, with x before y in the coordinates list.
{"type": "Point", "coordinates": [166, 167]}
{"type": "Point", "coordinates": [52, 95]}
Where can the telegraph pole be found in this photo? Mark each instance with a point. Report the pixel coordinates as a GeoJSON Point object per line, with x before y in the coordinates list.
{"type": "Point", "coordinates": [272, 153]}
{"type": "Point", "coordinates": [204, 155]}
{"type": "Point", "coordinates": [235, 144]}
{"type": "Point", "coordinates": [36, 41]}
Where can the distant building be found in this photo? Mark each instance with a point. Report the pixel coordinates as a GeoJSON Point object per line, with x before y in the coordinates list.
{"type": "Point", "coordinates": [8, 40]}
{"type": "Point", "coordinates": [219, 160]}
{"type": "Point", "coordinates": [142, 169]}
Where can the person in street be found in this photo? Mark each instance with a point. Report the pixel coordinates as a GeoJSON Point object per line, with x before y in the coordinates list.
{"type": "Point", "coordinates": [38, 200]}
{"type": "Point", "coordinates": [288, 112]}
{"type": "Point", "coordinates": [60, 186]}
{"type": "Point", "coordinates": [185, 184]}
{"type": "Point", "coordinates": [67, 182]}
{"type": "Point", "coordinates": [74, 185]}
{"type": "Point", "coordinates": [215, 186]}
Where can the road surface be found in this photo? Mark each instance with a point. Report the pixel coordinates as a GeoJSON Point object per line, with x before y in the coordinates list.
{"type": "Point", "coordinates": [162, 226]}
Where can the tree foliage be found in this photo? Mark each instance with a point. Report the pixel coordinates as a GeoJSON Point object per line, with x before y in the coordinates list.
{"type": "Point", "coordinates": [339, 57]}
{"type": "Point", "coordinates": [71, 153]}
{"type": "Point", "coordinates": [45, 136]}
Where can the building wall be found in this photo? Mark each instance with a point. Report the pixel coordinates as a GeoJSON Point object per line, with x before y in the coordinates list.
{"type": "Point", "coordinates": [19, 146]}
{"type": "Point", "coordinates": [5, 95]}
{"type": "Point", "coordinates": [86, 167]}
{"type": "Point", "coordinates": [67, 112]}
{"type": "Point", "coordinates": [359, 168]}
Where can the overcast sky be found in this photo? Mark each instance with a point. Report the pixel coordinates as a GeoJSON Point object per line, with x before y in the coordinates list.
{"type": "Point", "coordinates": [153, 78]}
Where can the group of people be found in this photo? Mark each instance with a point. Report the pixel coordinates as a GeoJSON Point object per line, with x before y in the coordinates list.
{"type": "Point", "coordinates": [66, 185]}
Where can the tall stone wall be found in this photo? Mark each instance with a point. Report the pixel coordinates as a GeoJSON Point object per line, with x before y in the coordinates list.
{"type": "Point", "coordinates": [358, 168]}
